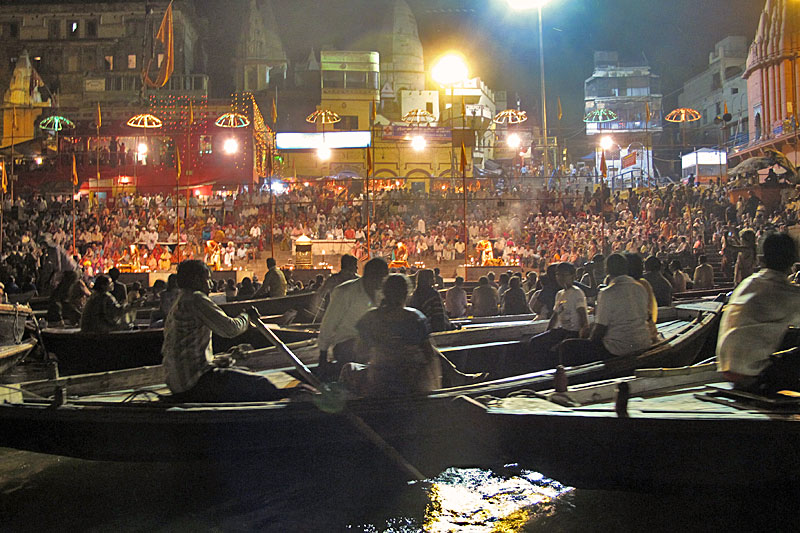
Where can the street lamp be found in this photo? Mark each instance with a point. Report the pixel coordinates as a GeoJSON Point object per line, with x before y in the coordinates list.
{"type": "Point", "coordinates": [523, 5]}
{"type": "Point", "coordinates": [230, 146]}
{"type": "Point", "coordinates": [418, 143]}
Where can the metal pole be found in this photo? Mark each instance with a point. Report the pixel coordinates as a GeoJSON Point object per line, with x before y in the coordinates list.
{"type": "Point", "coordinates": [544, 94]}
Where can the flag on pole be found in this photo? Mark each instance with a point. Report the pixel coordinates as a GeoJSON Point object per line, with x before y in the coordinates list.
{"type": "Point", "coordinates": [4, 179]}
{"type": "Point", "coordinates": [178, 164]}
{"type": "Point", "coordinates": [463, 166]}
{"type": "Point", "coordinates": [191, 111]}
{"type": "Point", "coordinates": [603, 166]}
{"type": "Point", "coordinates": [647, 111]}
{"type": "Point", "coordinates": [274, 112]}
{"type": "Point", "coordinates": [13, 120]}
{"type": "Point", "coordinates": [560, 111]}
{"type": "Point", "coordinates": [463, 107]}
{"type": "Point", "coordinates": [165, 37]}
{"type": "Point", "coordinates": [726, 107]}
{"type": "Point", "coordinates": [74, 171]}
{"type": "Point", "coordinates": [98, 119]}
{"type": "Point", "coordinates": [373, 108]}
{"type": "Point", "coordinates": [370, 166]}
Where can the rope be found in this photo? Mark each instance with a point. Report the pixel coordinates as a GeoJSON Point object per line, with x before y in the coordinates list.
{"type": "Point", "coordinates": [24, 392]}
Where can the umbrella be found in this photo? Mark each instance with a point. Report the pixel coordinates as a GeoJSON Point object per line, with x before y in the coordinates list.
{"type": "Point", "coordinates": [510, 116]}
{"type": "Point", "coordinates": [683, 114]}
{"type": "Point", "coordinates": [232, 120]}
{"type": "Point", "coordinates": [599, 116]}
{"type": "Point", "coordinates": [56, 123]}
{"type": "Point", "coordinates": [145, 121]}
{"type": "Point", "coordinates": [419, 116]}
{"type": "Point", "coordinates": [323, 116]}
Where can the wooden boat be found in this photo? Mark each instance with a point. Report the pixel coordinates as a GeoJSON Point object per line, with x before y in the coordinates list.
{"type": "Point", "coordinates": [13, 344]}
{"type": "Point", "coordinates": [681, 428]}
{"type": "Point", "coordinates": [116, 418]}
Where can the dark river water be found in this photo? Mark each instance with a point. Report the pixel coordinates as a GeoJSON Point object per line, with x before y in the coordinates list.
{"type": "Point", "coordinates": [47, 493]}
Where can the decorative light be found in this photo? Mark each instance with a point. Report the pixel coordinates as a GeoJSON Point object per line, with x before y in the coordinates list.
{"type": "Point", "coordinates": [514, 141]}
{"type": "Point", "coordinates": [510, 116]}
{"type": "Point", "coordinates": [599, 116]}
{"type": "Point", "coordinates": [450, 69]}
{"type": "Point", "coordinates": [419, 116]}
{"type": "Point", "coordinates": [230, 146]}
{"type": "Point", "coordinates": [323, 116]}
{"type": "Point", "coordinates": [418, 143]}
{"type": "Point", "coordinates": [324, 153]}
{"type": "Point", "coordinates": [683, 114]}
{"type": "Point", "coordinates": [142, 149]}
{"type": "Point", "coordinates": [145, 121]}
{"type": "Point", "coordinates": [232, 120]}
{"type": "Point", "coordinates": [38, 159]}
{"type": "Point", "coordinates": [56, 123]}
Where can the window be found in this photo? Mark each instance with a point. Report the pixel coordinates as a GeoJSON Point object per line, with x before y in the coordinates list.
{"type": "Point", "coordinates": [54, 29]}
{"type": "Point", "coordinates": [333, 79]}
{"type": "Point", "coordinates": [716, 82]}
{"type": "Point", "coordinates": [72, 29]}
{"type": "Point", "coordinates": [372, 80]}
{"type": "Point", "coordinates": [348, 123]}
{"type": "Point", "coordinates": [109, 63]}
{"type": "Point", "coordinates": [355, 80]}
{"type": "Point", "coordinates": [131, 61]}
{"type": "Point", "coordinates": [91, 28]}
{"type": "Point", "coordinates": [251, 79]}
{"type": "Point", "coordinates": [734, 90]}
{"type": "Point", "coordinates": [429, 107]}
{"type": "Point", "coordinates": [13, 30]}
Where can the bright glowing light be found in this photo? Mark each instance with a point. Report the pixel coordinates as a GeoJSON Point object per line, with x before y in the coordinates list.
{"type": "Point", "coordinates": [306, 184]}
{"type": "Point", "coordinates": [514, 141]}
{"type": "Point", "coordinates": [230, 146]}
{"type": "Point", "coordinates": [38, 160]}
{"type": "Point", "coordinates": [142, 149]}
{"type": "Point", "coordinates": [324, 153]}
{"type": "Point", "coordinates": [606, 143]}
{"type": "Point", "coordinates": [418, 143]}
{"type": "Point", "coordinates": [450, 69]}
{"type": "Point", "coordinates": [522, 5]}
{"type": "Point", "coordinates": [278, 187]}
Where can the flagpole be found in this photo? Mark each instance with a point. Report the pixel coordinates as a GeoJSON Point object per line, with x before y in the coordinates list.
{"type": "Point", "coordinates": [74, 250]}
{"type": "Point", "coordinates": [13, 128]}
{"type": "Point", "coordinates": [369, 171]}
{"type": "Point", "coordinates": [464, 184]}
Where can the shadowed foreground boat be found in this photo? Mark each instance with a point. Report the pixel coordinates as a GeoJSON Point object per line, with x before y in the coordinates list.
{"type": "Point", "coordinates": [130, 424]}
{"type": "Point", "coordinates": [684, 428]}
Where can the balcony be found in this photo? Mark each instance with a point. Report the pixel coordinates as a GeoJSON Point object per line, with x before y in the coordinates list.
{"type": "Point", "coordinates": [118, 84]}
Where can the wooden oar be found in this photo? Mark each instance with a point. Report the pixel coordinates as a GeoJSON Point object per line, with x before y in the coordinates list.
{"type": "Point", "coordinates": [354, 419]}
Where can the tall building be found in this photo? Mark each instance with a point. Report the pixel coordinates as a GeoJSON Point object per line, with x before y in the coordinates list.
{"type": "Point", "coordinates": [629, 91]}
{"type": "Point", "coordinates": [772, 82]}
{"type": "Point", "coordinates": [719, 88]}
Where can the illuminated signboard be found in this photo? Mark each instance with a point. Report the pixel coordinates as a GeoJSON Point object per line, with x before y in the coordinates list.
{"type": "Point", "coordinates": [705, 157]}
{"type": "Point", "coordinates": [332, 140]}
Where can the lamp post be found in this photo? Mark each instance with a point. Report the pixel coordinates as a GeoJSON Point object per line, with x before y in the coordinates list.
{"type": "Point", "coordinates": [449, 70]}
{"type": "Point", "coordinates": [521, 5]}
{"type": "Point", "coordinates": [606, 143]}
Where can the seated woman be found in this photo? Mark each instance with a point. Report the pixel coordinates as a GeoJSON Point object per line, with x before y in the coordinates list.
{"type": "Point", "coordinates": [396, 338]}
{"type": "Point", "coordinates": [102, 312]}
{"type": "Point", "coordinates": [66, 302]}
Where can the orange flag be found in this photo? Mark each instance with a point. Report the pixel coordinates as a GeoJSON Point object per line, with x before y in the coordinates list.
{"type": "Point", "coordinates": [4, 179]}
{"type": "Point", "coordinates": [178, 164]}
{"type": "Point", "coordinates": [560, 111]}
{"type": "Point", "coordinates": [165, 37]}
{"type": "Point", "coordinates": [726, 107]}
{"type": "Point", "coordinates": [98, 119]}
{"type": "Point", "coordinates": [603, 166]}
{"type": "Point", "coordinates": [74, 172]}
{"type": "Point", "coordinates": [463, 166]}
{"type": "Point", "coordinates": [274, 112]}
{"type": "Point", "coordinates": [370, 166]}
{"type": "Point", "coordinates": [191, 111]}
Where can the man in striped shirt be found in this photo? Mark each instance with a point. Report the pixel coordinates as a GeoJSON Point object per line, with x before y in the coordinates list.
{"type": "Point", "coordinates": [193, 373]}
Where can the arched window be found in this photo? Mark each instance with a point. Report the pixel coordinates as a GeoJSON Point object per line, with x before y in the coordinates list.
{"type": "Point", "coordinates": [758, 125]}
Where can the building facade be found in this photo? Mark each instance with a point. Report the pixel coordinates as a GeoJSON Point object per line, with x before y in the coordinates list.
{"type": "Point", "coordinates": [629, 91]}
{"type": "Point", "coordinates": [718, 90]}
{"type": "Point", "coordinates": [772, 82]}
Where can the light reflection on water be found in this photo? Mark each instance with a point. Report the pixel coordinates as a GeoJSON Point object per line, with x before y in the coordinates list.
{"type": "Point", "coordinates": [477, 501]}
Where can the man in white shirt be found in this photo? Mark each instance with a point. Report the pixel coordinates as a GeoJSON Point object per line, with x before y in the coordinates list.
{"type": "Point", "coordinates": [569, 320]}
{"type": "Point", "coordinates": [620, 326]}
{"type": "Point", "coordinates": [455, 301]}
{"type": "Point", "coordinates": [758, 314]}
{"type": "Point", "coordinates": [349, 302]}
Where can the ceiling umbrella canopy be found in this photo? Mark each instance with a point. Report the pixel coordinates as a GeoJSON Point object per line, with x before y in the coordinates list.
{"type": "Point", "coordinates": [510, 116]}
{"type": "Point", "coordinates": [56, 123]}
{"type": "Point", "coordinates": [683, 114]}
{"type": "Point", "coordinates": [323, 116]}
{"type": "Point", "coordinates": [145, 121]}
{"type": "Point", "coordinates": [232, 120]}
{"type": "Point", "coordinates": [599, 116]}
{"type": "Point", "coordinates": [419, 116]}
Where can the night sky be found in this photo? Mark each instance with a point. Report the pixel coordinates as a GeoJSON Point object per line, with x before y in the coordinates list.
{"type": "Point", "coordinates": [676, 37]}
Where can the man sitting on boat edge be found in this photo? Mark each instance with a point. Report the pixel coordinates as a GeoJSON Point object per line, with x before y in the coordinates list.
{"type": "Point", "coordinates": [620, 325]}
{"type": "Point", "coordinates": [758, 314]}
{"type": "Point", "coordinates": [193, 373]}
{"type": "Point", "coordinates": [102, 313]}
